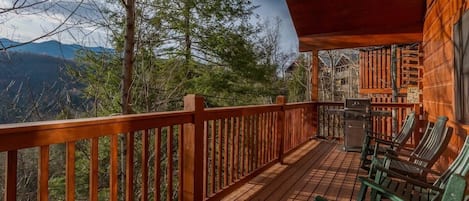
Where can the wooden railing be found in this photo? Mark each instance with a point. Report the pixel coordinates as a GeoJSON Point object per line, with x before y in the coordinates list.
{"type": "Point", "coordinates": [383, 124]}
{"type": "Point", "coordinates": [195, 154]}
{"type": "Point", "coordinates": [331, 123]}
{"type": "Point", "coordinates": [241, 142]}
{"type": "Point", "coordinates": [102, 138]}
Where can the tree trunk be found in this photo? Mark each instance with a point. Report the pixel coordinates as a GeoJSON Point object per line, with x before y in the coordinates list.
{"type": "Point", "coordinates": [187, 39]}
{"type": "Point", "coordinates": [128, 57]}
{"type": "Point", "coordinates": [395, 91]}
{"type": "Point", "coordinates": [127, 69]}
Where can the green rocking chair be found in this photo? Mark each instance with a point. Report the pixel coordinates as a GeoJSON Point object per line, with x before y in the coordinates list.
{"type": "Point", "coordinates": [388, 143]}
{"type": "Point", "coordinates": [395, 186]}
{"type": "Point", "coordinates": [424, 155]}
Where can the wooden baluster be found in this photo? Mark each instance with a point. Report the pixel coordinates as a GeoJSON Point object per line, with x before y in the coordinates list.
{"type": "Point", "coordinates": [242, 145]}
{"type": "Point", "coordinates": [145, 157]}
{"type": "Point", "coordinates": [206, 164]}
{"type": "Point", "coordinates": [214, 157]}
{"type": "Point", "coordinates": [264, 138]}
{"type": "Point", "coordinates": [129, 167]}
{"type": "Point", "coordinates": [94, 169]}
{"type": "Point", "coordinates": [157, 164]}
{"type": "Point", "coordinates": [180, 161]}
{"type": "Point", "coordinates": [220, 154]}
{"type": "Point", "coordinates": [251, 144]}
{"type": "Point", "coordinates": [226, 158]}
{"type": "Point", "coordinates": [11, 166]}
{"type": "Point", "coordinates": [232, 155]}
{"type": "Point", "coordinates": [169, 170]}
{"type": "Point", "coordinates": [43, 174]}
{"type": "Point", "coordinates": [256, 143]}
{"type": "Point", "coordinates": [70, 171]}
{"type": "Point", "coordinates": [113, 168]}
{"type": "Point", "coordinates": [236, 149]}
{"type": "Point", "coordinates": [273, 137]}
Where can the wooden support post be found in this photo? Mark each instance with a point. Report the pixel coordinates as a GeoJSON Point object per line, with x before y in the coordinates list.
{"type": "Point", "coordinates": [315, 89]}
{"type": "Point", "coordinates": [194, 156]}
{"type": "Point", "coordinates": [314, 75]}
{"type": "Point", "coordinates": [281, 121]}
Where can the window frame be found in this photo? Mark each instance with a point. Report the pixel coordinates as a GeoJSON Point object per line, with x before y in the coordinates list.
{"type": "Point", "coordinates": [461, 68]}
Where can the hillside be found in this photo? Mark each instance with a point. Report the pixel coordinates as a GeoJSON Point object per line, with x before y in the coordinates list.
{"type": "Point", "coordinates": [31, 80]}
{"type": "Point", "coordinates": [50, 48]}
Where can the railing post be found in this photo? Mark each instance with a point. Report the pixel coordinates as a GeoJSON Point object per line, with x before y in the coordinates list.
{"type": "Point", "coordinates": [281, 123]}
{"type": "Point", "coordinates": [314, 118]}
{"type": "Point", "coordinates": [193, 151]}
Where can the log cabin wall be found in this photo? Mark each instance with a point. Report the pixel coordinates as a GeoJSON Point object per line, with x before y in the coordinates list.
{"type": "Point", "coordinates": [438, 80]}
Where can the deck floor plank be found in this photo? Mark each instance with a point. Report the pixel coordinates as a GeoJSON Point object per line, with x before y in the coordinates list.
{"type": "Point", "coordinates": [317, 168]}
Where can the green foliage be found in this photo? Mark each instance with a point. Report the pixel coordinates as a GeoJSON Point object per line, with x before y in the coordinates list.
{"type": "Point", "coordinates": [297, 79]}
{"type": "Point", "coordinates": [100, 73]}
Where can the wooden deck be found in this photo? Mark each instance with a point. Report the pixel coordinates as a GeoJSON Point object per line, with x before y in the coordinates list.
{"type": "Point", "coordinates": [317, 168]}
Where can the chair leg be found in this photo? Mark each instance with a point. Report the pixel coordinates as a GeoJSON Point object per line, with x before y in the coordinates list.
{"type": "Point", "coordinates": [362, 192]}
{"type": "Point", "coordinates": [365, 148]}
{"type": "Point", "coordinates": [374, 195]}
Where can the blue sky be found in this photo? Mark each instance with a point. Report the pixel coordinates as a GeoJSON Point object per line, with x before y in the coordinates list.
{"type": "Point", "coordinates": [27, 27]}
{"type": "Point", "coordinates": [278, 8]}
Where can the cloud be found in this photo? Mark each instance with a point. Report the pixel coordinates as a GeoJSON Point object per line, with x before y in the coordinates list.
{"type": "Point", "coordinates": [29, 23]}
{"type": "Point", "coordinates": [32, 22]}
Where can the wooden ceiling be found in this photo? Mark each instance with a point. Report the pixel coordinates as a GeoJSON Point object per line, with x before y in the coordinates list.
{"type": "Point", "coordinates": [336, 24]}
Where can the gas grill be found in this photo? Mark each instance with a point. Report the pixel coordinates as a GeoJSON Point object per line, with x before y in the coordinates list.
{"type": "Point", "coordinates": [357, 120]}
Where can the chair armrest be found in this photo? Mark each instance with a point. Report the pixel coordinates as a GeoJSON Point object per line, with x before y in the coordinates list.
{"type": "Point", "coordinates": [408, 179]}
{"type": "Point", "coordinates": [428, 170]}
{"type": "Point", "coordinates": [387, 142]}
{"type": "Point", "coordinates": [396, 154]}
{"type": "Point", "coordinates": [376, 135]}
{"type": "Point", "coordinates": [388, 192]}
{"type": "Point", "coordinates": [407, 148]}
{"type": "Point", "coordinates": [416, 157]}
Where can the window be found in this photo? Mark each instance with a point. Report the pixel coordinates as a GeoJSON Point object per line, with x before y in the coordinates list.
{"type": "Point", "coordinates": [461, 62]}
{"type": "Point", "coordinates": [343, 81]}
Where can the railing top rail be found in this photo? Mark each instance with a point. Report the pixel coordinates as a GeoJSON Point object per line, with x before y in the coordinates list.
{"type": "Point", "coordinates": [373, 104]}
{"type": "Point", "coordinates": [302, 103]}
{"type": "Point", "coordinates": [298, 105]}
{"type": "Point", "coordinates": [394, 104]}
{"type": "Point", "coordinates": [24, 135]}
{"type": "Point", "coordinates": [248, 107]}
{"type": "Point", "coordinates": [219, 113]}
{"type": "Point", "coordinates": [70, 123]}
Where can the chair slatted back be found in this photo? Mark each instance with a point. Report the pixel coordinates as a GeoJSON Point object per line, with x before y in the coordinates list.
{"type": "Point", "coordinates": [406, 130]}
{"type": "Point", "coordinates": [433, 144]}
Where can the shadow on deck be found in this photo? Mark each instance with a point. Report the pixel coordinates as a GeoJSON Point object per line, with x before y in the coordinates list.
{"type": "Point", "coordinates": [317, 168]}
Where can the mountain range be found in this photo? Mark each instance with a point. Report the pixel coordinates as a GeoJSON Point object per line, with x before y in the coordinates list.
{"type": "Point", "coordinates": [50, 48]}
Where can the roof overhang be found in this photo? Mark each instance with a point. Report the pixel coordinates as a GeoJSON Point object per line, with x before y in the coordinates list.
{"type": "Point", "coordinates": [336, 24]}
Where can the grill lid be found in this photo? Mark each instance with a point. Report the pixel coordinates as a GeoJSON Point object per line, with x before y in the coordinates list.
{"type": "Point", "coordinates": [357, 103]}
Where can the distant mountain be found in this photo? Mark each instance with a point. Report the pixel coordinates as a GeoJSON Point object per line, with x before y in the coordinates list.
{"type": "Point", "coordinates": [29, 79]}
{"type": "Point", "coordinates": [50, 48]}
